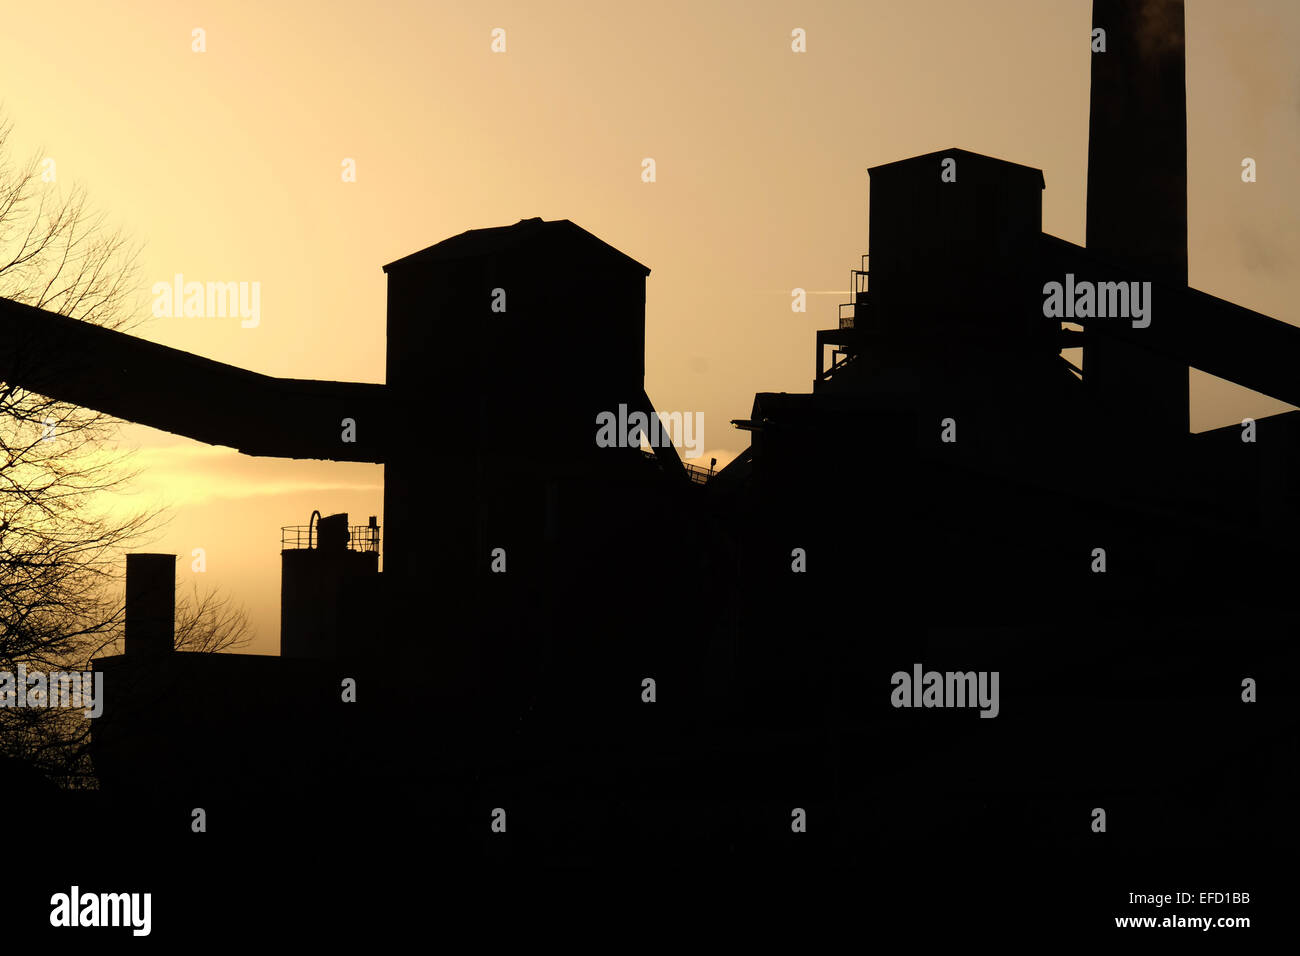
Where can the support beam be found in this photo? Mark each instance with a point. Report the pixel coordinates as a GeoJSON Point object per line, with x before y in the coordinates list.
{"type": "Point", "coordinates": [182, 393]}
{"type": "Point", "coordinates": [1188, 327]}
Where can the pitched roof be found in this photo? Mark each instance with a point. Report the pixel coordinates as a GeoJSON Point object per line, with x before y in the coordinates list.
{"type": "Point", "coordinates": [526, 233]}
{"type": "Point", "coordinates": [990, 163]}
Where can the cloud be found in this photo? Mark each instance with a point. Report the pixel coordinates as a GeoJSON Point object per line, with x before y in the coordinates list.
{"type": "Point", "coordinates": [184, 475]}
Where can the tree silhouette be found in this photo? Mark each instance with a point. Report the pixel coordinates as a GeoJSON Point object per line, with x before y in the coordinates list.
{"type": "Point", "coordinates": [210, 624]}
{"type": "Point", "coordinates": [61, 547]}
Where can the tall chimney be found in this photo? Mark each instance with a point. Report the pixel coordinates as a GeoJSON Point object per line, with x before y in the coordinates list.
{"type": "Point", "coordinates": [150, 603]}
{"type": "Point", "coordinates": [1137, 195]}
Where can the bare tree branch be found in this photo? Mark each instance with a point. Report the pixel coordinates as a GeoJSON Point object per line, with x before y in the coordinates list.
{"type": "Point", "coordinates": [61, 548]}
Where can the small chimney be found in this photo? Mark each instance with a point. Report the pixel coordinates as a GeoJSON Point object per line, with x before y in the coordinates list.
{"type": "Point", "coordinates": [150, 604]}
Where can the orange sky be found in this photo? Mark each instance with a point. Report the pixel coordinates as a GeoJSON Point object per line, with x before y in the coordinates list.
{"type": "Point", "coordinates": [227, 165]}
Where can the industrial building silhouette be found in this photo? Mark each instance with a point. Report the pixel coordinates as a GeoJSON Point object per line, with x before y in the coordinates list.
{"type": "Point", "coordinates": [524, 690]}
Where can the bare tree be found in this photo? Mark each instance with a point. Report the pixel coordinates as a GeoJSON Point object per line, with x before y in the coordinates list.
{"type": "Point", "coordinates": [61, 548]}
{"type": "Point", "coordinates": [211, 624]}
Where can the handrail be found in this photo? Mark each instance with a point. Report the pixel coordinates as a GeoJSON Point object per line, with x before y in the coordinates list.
{"type": "Point", "coordinates": [299, 538]}
{"type": "Point", "coordinates": [857, 288]}
{"type": "Point", "coordinates": [697, 474]}
{"type": "Point", "coordinates": [839, 365]}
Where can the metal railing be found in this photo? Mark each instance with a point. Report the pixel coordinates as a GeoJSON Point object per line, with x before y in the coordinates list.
{"type": "Point", "coordinates": [859, 276]}
{"type": "Point", "coordinates": [697, 474]}
{"type": "Point", "coordinates": [857, 287]}
{"type": "Point", "coordinates": [848, 360]}
{"type": "Point", "coordinates": [300, 537]}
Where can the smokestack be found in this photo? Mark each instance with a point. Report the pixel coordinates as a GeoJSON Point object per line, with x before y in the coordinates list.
{"type": "Point", "coordinates": [1137, 193]}
{"type": "Point", "coordinates": [150, 603]}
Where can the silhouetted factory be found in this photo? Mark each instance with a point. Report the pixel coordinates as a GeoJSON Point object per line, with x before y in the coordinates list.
{"type": "Point", "coordinates": [946, 484]}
